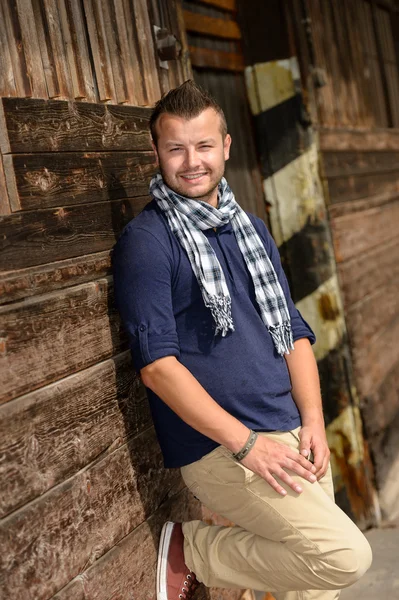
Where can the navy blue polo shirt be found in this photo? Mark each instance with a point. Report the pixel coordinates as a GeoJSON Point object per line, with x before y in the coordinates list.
{"type": "Point", "coordinates": [163, 312]}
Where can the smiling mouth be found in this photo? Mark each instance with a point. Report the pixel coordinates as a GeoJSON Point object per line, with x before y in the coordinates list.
{"type": "Point", "coordinates": [193, 176]}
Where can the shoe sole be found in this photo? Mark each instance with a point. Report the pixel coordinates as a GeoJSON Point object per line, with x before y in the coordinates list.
{"type": "Point", "coordinates": [162, 565]}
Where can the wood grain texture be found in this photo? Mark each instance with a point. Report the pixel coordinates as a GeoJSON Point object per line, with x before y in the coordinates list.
{"type": "Point", "coordinates": [211, 26]}
{"type": "Point", "coordinates": [100, 49]}
{"type": "Point", "coordinates": [364, 185]}
{"type": "Point", "coordinates": [77, 52]}
{"type": "Point", "coordinates": [64, 178]}
{"type": "Point", "coordinates": [373, 362]}
{"type": "Point", "coordinates": [7, 80]}
{"type": "Point", "coordinates": [51, 126]}
{"type": "Point", "coordinates": [48, 337]}
{"type": "Point", "coordinates": [370, 316]}
{"type": "Point", "coordinates": [216, 59]}
{"type": "Point", "coordinates": [31, 238]}
{"type": "Point", "coordinates": [344, 163]}
{"type": "Point", "coordinates": [60, 534]}
{"type": "Point", "coordinates": [357, 233]}
{"type": "Point", "coordinates": [49, 434]}
{"type": "Point", "coordinates": [380, 408]}
{"type": "Point", "coordinates": [363, 274]}
{"type": "Point", "coordinates": [230, 5]}
{"type": "Point", "coordinates": [146, 47]}
{"type": "Point", "coordinates": [128, 569]}
{"type": "Point", "coordinates": [33, 281]}
{"type": "Point", "coordinates": [5, 207]}
{"type": "Point", "coordinates": [16, 48]}
{"type": "Point", "coordinates": [31, 46]}
{"type": "Point", "coordinates": [340, 139]}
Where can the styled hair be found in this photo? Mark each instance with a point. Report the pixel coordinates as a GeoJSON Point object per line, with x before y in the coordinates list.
{"type": "Point", "coordinates": [186, 101]}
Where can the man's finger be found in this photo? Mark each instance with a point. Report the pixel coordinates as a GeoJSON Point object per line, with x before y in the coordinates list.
{"type": "Point", "coordinates": [304, 446]}
{"type": "Point", "coordinates": [275, 485]}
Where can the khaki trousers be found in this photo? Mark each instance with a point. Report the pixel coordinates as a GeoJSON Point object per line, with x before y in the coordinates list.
{"type": "Point", "coordinates": [299, 547]}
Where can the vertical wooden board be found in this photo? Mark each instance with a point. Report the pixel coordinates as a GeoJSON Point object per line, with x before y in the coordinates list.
{"type": "Point", "coordinates": [100, 50]}
{"type": "Point", "coordinates": [43, 35]}
{"type": "Point", "coordinates": [16, 48]}
{"type": "Point", "coordinates": [324, 95]}
{"type": "Point", "coordinates": [147, 50]}
{"type": "Point", "coordinates": [7, 81]}
{"type": "Point", "coordinates": [115, 53]}
{"type": "Point", "coordinates": [31, 48]}
{"type": "Point", "coordinates": [129, 61]}
{"type": "Point", "coordinates": [185, 55]}
{"type": "Point", "coordinates": [134, 55]}
{"type": "Point", "coordinates": [74, 33]}
{"type": "Point", "coordinates": [5, 208]}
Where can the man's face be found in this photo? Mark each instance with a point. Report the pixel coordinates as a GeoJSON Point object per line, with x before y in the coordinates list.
{"type": "Point", "coordinates": [191, 154]}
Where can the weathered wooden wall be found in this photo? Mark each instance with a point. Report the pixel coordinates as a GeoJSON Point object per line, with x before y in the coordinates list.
{"type": "Point", "coordinates": [84, 491]}
{"type": "Point", "coordinates": [353, 43]}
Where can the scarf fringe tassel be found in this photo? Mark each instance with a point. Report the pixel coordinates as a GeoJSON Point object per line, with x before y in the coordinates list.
{"type": "Point", "coordinates": [220, 307]}
{"type": "Point", "coordinates": [282, 337]}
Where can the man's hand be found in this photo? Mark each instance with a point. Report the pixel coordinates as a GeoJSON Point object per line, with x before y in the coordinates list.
{"type": "Point", "coordinates": [268, 458]}
{"type": "Point", "coordinates": [313, 439]}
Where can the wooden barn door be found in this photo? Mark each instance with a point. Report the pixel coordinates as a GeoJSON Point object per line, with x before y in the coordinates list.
{"type": "Point", "coordinates": [214, 44]}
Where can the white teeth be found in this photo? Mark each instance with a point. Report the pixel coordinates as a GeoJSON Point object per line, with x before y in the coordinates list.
{"type": "Point", "coordinates": [193, 176]}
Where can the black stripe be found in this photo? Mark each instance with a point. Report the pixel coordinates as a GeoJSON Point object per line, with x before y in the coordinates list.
{"type": "Point", "coordinates": [282, 134]}
{"type": "Point", "coordinates": [306, 258]}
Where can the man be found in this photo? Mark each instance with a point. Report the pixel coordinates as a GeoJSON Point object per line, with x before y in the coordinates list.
{"type": "Point", "coordinates": [231, 377]}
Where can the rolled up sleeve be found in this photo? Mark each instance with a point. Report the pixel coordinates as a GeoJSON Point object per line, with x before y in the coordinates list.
{"type": "Point", "coordinates": [142, 273]}
{"type": "Point", "coordinates": [300, 328]}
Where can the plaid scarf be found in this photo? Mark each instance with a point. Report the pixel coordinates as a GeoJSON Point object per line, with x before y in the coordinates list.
{"type": "Point", "coordinates": [187, 218]}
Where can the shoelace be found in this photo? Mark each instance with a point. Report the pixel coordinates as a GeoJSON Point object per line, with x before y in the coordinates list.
{"type": "Point", "coordinates": [192, 583]}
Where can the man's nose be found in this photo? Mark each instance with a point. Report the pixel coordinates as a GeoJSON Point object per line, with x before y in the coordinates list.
{"type": "Point", "coordinates": [192, 159]}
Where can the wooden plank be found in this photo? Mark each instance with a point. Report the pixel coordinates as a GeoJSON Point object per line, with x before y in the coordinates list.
{"type": "Point", "coordinates": [182, 36]}
{"type": "Point", "coordinates": [216, 59]}
{"type": "Point", "coordinates": [5, 207]}
{"type": "Point", "coordinates": [230, 5]}
{"type": "Point", "coordinates": [357, 233]}
{"type": "Point", "coordinates": [211, 26]}
{"type": "Point", "coordinates": [100, 50]}
{"type": "Point", "coordinates": [132, 73]}
{"type": "Point", "coordinates": [64, 178]}
{"type": "Point", "coordinates": [38, 237]}
{"type": "Point", "coordinates": [16, 48]}
{"type": "Point", "coordinates": [371, 315]}
{"type": "Point", "coordinates": [352, 187]}
{"type": "Point", "coordinates": [49, 126]}
{"type": "Point", "coordinates": [47, 54]}
{"type": "Point", "coordinates": [129, 568]}
{"type": "Point", "coordinates": [48, 337]}
{"type": "Point", "coordinates": [60, 534]}
{"type": "Point", "coordinates": [52, 433]}
{"type": "Point", "coordinates": [24, 283]}
{"type": "Point", "coordinates": [77, 53]}
{"type": "Point", "coordinates": [336, 139]}
{"type": "Point", "coordinates": [339, 164]}
{"type": "Point", "coordinates": [374, 361]}
{"type": "Point", "coordinates": [339, 209]}
{"type": "Point", "coordinates": [115, 53]}
{"type": "Point", "coordinates": [147, 52]}
{"type": "Point", "coordinates": [7, 81]}
{"type": "Point", "coordinates": [369, 270]}
{"type": "Point", "coordinates": [380, 408]}
{"type": "Point", "coordinates": [31, 48]}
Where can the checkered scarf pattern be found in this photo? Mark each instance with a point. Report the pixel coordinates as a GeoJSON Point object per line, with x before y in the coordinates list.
{"type": "Point", "coordinates": [187, 219]}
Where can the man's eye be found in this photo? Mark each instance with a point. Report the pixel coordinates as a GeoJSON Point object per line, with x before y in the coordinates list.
{"type": "Point", "coordinates": [206, 146]}
{"type": "Point", "coordinates": [174, 149]}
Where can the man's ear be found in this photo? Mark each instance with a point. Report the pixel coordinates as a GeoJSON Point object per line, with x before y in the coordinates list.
{"type": "Point", "coordinates": [155, 151]}
{"type": "Point", "coordinates": [226, 146]}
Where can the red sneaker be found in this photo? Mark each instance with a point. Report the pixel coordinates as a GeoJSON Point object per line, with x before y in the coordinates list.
{"type": "Point", "coordinates": [175, 581]}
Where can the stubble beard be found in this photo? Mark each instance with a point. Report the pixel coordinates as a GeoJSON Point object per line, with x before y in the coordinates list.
{"type": "Point", "coordinates": [204, 196]}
